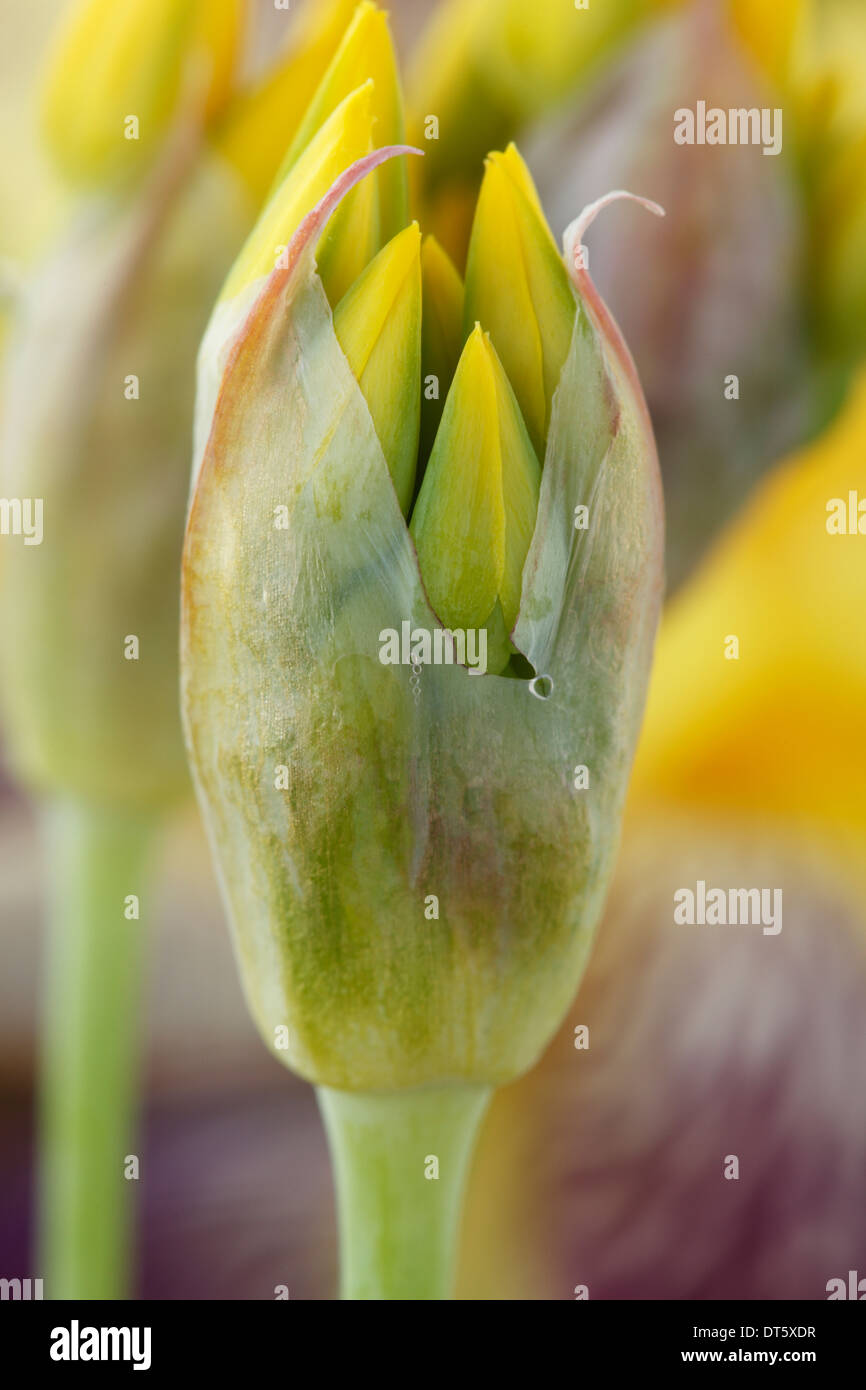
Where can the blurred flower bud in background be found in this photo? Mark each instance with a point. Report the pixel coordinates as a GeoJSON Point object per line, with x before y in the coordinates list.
{"type": "Point", "coordinates": [441, 338]}
{"type": "Point", "coordinates": [748, 772]}
{"type": "Point", "coordinates": [138, 58]}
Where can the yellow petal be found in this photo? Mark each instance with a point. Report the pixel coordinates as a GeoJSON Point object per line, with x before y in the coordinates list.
{"type": "Point", "coordinates": [459, 521]}
{"type": "Point", "coordinates": [778, 732]}
{"type": "Point", "coordinates": [517, 287]}
{"type": "Point", "coordinates": [378, 325]}
{"type": "Point", "coordinates": [366, 52]}
{"type": "Point", "coordinates": [475, 514]}
{"type": "Point", "coordinates": [345, 138]}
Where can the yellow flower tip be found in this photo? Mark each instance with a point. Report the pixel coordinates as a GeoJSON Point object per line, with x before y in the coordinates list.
{"type": "Point", "coordinates": [261, 122]}
{"type": "Point", "coordinates": [378, 326]}
{"type": "Point", "coordinates": [515, 166]}
{"type": "Point", "coordinates": [366, 52]}
{"type": "Point", "coordinates": [345, 137]}
{"type": "Point", "coordinates": [117, 75]}
{"type": "Point", "coordinates": [475, 514]}
{"type": "Point", "coordinates": [518, 287]}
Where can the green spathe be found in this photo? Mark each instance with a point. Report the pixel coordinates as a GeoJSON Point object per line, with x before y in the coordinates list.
{"type": "Point", "coordinates": [461, 788]}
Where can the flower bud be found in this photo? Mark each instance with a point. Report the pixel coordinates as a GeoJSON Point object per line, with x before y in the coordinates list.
{"type": "Point", "coordinates": [475, 514]}
{"type": "Point", "coordinates": [412, 866]}
{"type": "Point", "coordinates": [119, 73]}
{"type": "Point", "coordinates": [441, 338]}
{"type": "Point", "coordinates": [378, 326]}
{"type": "Point", "coordinates": [98, 403]}
{"type": "Point", "coordinates": [530, 325]}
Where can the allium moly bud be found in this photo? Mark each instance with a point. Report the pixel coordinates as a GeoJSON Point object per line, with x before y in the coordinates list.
{"type": "Point", "coordinates": [413, 859]}
{"type": "Point", "coordinates": [119, 72]}
{"type": "Point", "coordinates": [378, 326]}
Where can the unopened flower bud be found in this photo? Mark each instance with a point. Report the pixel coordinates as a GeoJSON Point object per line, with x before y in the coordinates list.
{"type": "Point", "coordinates": [412, 869]}
{"type": "Point", "coordinates": [119, 73]}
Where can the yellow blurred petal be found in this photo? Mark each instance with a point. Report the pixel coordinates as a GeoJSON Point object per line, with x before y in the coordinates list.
{"type": "Point", "coordinates": [218, 35]}
{"type": "Point", "coordinates": [259, 124]}
{"type": "Point", "coordinates": [345, 138]}
{"type": "Point", "coordinates": [378, 326]}
{"type": "Point", "coordinates": [114, 64]}
{"type": "Point", "coordinates": [778, 732]}
{"type": "Point", "coordinates": [772, 33]}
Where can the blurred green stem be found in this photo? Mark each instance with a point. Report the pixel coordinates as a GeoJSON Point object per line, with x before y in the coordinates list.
{"type": "Point", "coordinates": [92, 974]}
{"type": "Point", "coordinates": [400, 1165]}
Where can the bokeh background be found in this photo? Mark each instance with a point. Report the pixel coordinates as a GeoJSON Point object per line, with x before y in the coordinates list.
{"type": "Point", "coordinates": [605, 1166]}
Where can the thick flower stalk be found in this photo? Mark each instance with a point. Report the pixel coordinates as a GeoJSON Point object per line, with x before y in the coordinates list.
{"type": "Point", "coordinates": [414, 827]}
{"type": "Point", "coordinates": [97, 414]}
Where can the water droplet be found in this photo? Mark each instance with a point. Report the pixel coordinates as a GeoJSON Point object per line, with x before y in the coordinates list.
{"type": "Point", "coordinates": [541, 687]}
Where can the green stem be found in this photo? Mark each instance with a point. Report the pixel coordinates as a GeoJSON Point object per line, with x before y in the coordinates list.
{"type": "Point", "coordinates": [90, 1051]}
{"type": "Point", "coordinates": [398, 1222]}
